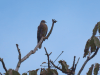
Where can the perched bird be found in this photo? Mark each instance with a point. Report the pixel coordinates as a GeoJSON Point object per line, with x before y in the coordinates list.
{"type": "Point", "coordinates": [42, 31]}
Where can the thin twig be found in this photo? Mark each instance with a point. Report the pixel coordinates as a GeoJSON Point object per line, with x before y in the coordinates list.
{"type": "Point", "coordinates": [58, 56]}
{"type": "Point", "coordinates": [87, 61]}
{"type": "Point", "coordinates": [77, 63]}
{"type": "Point", "coordinates": [3, 64]}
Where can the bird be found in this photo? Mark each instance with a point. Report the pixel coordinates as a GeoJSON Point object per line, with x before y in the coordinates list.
{"type": "Point", "coordinates": [42, 31]}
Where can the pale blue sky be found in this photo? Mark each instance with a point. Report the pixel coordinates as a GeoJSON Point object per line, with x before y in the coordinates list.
{"type": "Point", "coordinates": [19, 20]}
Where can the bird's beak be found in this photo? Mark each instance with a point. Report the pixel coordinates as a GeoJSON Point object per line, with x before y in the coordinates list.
{"type": "Point", "coordinates": [45, 22]}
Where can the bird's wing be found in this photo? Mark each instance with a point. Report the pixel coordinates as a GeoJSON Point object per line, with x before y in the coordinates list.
{"type": "Point", "coordinates": [38, 33]}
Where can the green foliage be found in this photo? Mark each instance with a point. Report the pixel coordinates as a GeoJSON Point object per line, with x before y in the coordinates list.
{"type": "Point", "coordinates": [96, 69]}
{"type": "Point", "coordinates": [24, 74]}
{"type": "Point", "coordinates": [90, 70]}
{"type": "Point", "coordinates": [92, 45]}
{"type": "Point", "coordinates": [49, 72]}
{"type": "Point", "coordinates": [64, 66]}
{"type": "Point", "coordinates": [96, 41]}
{"type": "Point", "coordinates": [95, 29]}
{"type": "Point", "coordinates": [12, 72]}
{"type": "Point", "coordinates": [86, 50]}
{"type": "Point", "coordinates": [98, 26]}
{"type": "Point", "coordinates": [33, 72]}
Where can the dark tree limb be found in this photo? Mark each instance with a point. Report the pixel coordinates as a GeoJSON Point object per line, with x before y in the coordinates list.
{"type": "Point", "coordinates": [3, 64]}
{"type": "Point", "coordinates": [37, 46]}
{"type": "Point", "coordinates": [89, 58]}
{"type": "Point", "coordinates": [74, 66]}
{"type": "Point", "coordinates": [77, 63]}
{"type": "Point", "coordinates": [47, 57]}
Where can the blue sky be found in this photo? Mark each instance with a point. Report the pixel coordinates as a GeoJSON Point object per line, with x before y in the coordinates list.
{"type": "Point", "coordinates": [19, 20]}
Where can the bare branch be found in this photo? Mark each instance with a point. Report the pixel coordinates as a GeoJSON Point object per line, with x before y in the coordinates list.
{"type": "Point", "coordinates": [3, 64]}
{"type": "Point", "coordinates": [53, 21]}
{"type": "Point", "coordinates": [77, 63]}
{"type": "Point", "coordinates": [87, 61]}
{"type": "Point", "coordinates": [73, 67]}
{"type": "Point", "coordinates": [37, 46]}
{"type": "Point", "coordinates": [47, 57]}
{"type": "Point", "coordinates": [19, 53]}
{"type": "Point", "coordinates": [19, 62]}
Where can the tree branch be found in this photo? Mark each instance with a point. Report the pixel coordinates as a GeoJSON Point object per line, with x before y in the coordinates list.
{"type": "Point", "coordinates": [47, 57]}
{"type": "Point", "coordinates": [37, 46]}
{"type": "Point", "coordinates": [19, 53]}
{"type": "Point", "coordinates": [87, 61]}
{"type": "Point", "coordinates": [3, 64]}
{"type": "Point", "coordinates": [77, 63]}
{"type": "Point", "coordinates": [19, 62]}
{"type": "Point", "coordinates": [53, 21]}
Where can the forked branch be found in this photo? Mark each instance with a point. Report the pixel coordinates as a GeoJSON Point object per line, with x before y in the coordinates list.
{"type": "Point", "coordinates": [37, 46]}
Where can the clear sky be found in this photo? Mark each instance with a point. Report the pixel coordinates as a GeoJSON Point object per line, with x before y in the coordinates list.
{"type": "Point", "coordinates": [19, 20]}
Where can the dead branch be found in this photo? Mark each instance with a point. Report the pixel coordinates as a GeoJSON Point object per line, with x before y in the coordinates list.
{"type": "Point", "coordinates": [87, 61]}
{"type": "Point", "coordinates": [73, 67]}
{"type": "Point", "coordinates": [47, 57]}
{"type": "Point", "coordinates": [53, 21]}
{"type": "Point", "coordinates": [3, 64]}
{"type": "Point", "coordinates": [37, 46]}
{"type": "Point", "coordinates": [77, 63]}
{"type": "Point", "coordinates": [19, 53]}
{"type": "Point", "coordinates": [19, 62]}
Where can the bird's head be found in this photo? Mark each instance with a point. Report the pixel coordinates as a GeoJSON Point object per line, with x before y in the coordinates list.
{"type": "Point", "coordinates": [43, 21]}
